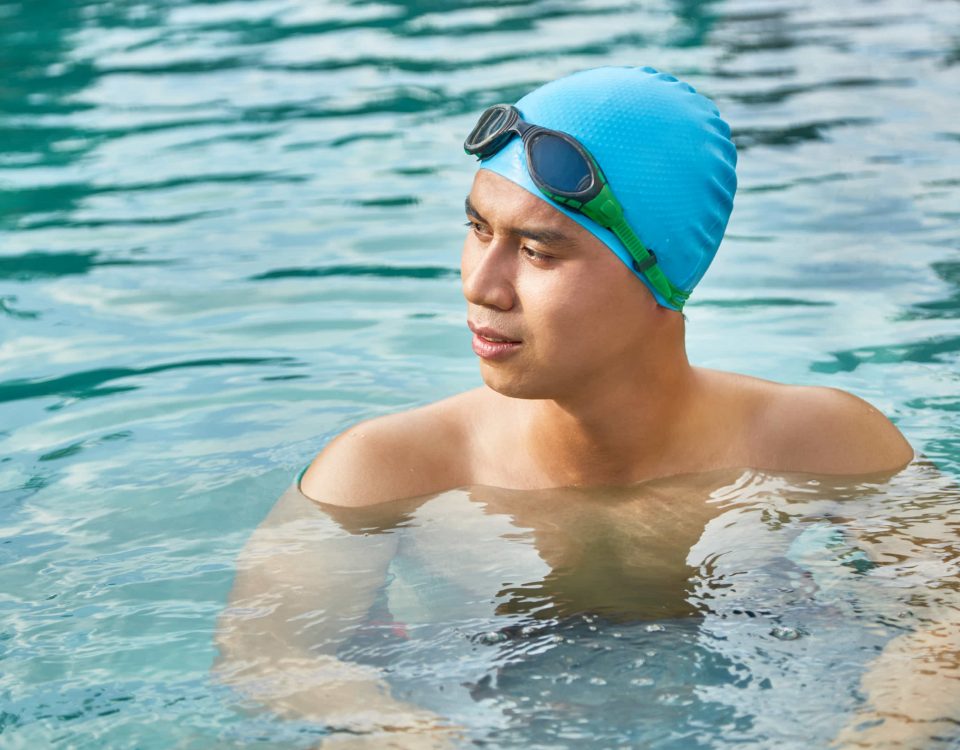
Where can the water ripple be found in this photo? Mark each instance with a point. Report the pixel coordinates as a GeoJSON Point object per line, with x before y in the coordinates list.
{"type": "Point", "coordinates": [793, 134]}
{"type": "Point", "coordinates": [88, 383]}
{"type": "Point", "coordinates": [39, 265]}
{"type": "Point", "coordinates": [410, 272]}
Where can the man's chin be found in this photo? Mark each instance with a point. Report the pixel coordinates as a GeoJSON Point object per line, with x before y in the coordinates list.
{"type": "Point", "coordinates": [512, 384]}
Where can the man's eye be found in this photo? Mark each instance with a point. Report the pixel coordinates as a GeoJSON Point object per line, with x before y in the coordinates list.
{"type": "Point", "coordinates": [474, 226]}
{"type": "Point", "coordinates": [534, 255]}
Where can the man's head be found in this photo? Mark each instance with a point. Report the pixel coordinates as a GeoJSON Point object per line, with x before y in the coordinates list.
{"type": "Point", "coordinates": [540, 273]}
{"type": "Point", "coordinates": [664, 151]}
{"type": "Point", "coordinates": [532, 275]}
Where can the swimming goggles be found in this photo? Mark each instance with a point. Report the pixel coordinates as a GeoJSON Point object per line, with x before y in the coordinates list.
{"type": "Point", "coordinates": [565, 172]}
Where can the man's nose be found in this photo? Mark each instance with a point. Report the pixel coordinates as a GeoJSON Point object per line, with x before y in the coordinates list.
{"type": "Point", "coordinates": [487, 274]}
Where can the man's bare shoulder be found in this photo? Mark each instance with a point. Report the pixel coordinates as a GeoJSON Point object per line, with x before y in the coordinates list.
{"type": "Point", "coordinates": [408, 454]}
{"type": "Point", "coordinates": [824, 430]}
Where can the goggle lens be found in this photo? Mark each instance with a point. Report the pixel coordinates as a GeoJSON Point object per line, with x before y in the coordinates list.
{"type": "Point", "coordinates": [491, 125]}
{"type": "Point", "coordinates": [560, 166]}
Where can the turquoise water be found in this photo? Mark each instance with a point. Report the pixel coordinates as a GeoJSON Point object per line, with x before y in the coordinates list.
{"type": "Point", "coordinates": [228, 230]}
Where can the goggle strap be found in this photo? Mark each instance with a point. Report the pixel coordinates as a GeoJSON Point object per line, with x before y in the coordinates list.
{"type": "Point", "coordinates": [646, 263]}
{"type": "Point", "coordinates": [642, 267]}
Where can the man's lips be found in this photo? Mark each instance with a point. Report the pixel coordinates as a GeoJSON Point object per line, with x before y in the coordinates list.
{"type": "Point", "coordinates": [491, 334]}
{"type": "Point", "coordinates": [492, 344]}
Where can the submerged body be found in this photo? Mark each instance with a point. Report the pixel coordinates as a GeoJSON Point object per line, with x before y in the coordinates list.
{"type": "Point", "coordinates": [730, 591]}
{"type": "Point", "coordinates": [618, 552]}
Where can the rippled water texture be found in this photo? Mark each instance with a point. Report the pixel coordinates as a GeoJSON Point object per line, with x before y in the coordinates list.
{"type": "Point", "coordinates": [230, 229]}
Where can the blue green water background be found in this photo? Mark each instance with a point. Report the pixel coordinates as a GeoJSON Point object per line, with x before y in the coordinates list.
{"type": "Point", "coordinates": [230, 229]}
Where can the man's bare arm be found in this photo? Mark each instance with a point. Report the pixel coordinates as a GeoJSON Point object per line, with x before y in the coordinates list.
{"type": "Point", "coordinates": [304, 584]}
{"type": "Point", "coordinates": [912, 688]}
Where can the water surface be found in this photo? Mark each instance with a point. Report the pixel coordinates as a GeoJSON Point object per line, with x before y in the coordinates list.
{"type": "Point", "coordinates": [228, 230]}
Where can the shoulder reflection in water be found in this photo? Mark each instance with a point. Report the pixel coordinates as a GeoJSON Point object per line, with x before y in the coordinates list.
{"type": "Point", "coordinates": [733, 604]}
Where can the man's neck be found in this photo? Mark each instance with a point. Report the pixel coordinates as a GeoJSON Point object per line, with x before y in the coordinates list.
{"type": "Point", "coordinates": [614, 434]}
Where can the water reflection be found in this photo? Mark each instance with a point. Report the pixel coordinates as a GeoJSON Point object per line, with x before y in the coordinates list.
{"type": "Point", "coordinates": [710, 599]}
{"type": "Point", "coordinates": [934, 349]}
{"type": "Point", "coordinates": [31, 266]}
{"type": "Point", "coordinates": [37, 99]}
{"type": "Point", "coordinates": [409, 272]}
{"type": "Point", "coordinates": [947, 307]}
{"type": "Point", "coordinates": [92, 383]}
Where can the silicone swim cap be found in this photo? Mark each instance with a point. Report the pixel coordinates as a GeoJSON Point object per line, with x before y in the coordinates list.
{"type": "Point", "coordinates": [664, 149]}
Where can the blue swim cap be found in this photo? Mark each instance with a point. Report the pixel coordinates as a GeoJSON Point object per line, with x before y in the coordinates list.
{"type": "Point", "coordinates": [666, 153]}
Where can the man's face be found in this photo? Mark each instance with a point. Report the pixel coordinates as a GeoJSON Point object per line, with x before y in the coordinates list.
{"type": "Point", "coordinates": [535, 276]}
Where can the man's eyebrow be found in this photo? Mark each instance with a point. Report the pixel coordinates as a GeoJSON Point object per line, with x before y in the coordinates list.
{"type": "Point", "coordinates": [546, 236]}
{"type": "Point", "coordinates": [471, 209]}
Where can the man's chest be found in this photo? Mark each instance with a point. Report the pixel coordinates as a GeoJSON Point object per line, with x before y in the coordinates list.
{"type": "Point", "coordinates": [551, 553]}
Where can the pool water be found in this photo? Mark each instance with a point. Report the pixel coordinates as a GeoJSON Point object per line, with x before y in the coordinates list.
{"type": "Point", "coordinates": [623, 617]}
{"type": "Point", "coordinates": [228, 230]}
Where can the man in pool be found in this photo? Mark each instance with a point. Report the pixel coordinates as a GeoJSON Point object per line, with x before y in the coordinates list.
{"type": "Point", "coordinates": [600, 200]}
{"type": "Point", "coordinates": [579, 326]}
